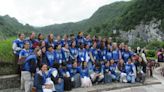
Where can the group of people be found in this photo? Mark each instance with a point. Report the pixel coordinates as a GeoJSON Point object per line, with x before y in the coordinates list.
{"type": "Point", "coordinates": [55, 64]}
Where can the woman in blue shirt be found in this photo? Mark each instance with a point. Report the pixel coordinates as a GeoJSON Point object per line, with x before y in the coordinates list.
{"type": "Point", "coordinates": [85, 77]}
{"type": "Point", "coordinates": [50, 56]}
{"type": "Point", "coordinates": [129, 71]}
{"type": "Point", "coordinates": [107, 72]}
{"type": "Point", "coordinates": [98, 74]}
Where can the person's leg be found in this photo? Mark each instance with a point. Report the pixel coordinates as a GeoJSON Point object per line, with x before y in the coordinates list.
{"type": "Point", "coordinates": [124, 77]}
{"type": "Point", "coordinates": [67, 84]}
{"type": "Point", "coordinates": [101, 78]}
{"type": "Point", "coordinates": [151, 72]}
{"type": "Point", "coordinates": [60, 87]}
{"type": "Point", "coordinates": [77, 81]}
{"type": "Point", "coordinates": [143, 78]}
{"type": "Point", "coordinates": [93, 78]}
{"type": "Point", "coordinates": [132, 79]}
{"type": "Point", "coordinates": [82, 82]}
{"type": "Point", "coordinates": [18, 71]}
{"type": "Point", "coordinates": [106, 78]}
{"type": "Point", "coordinates": [121, 77]}
{"type": "Point", "coordinates": [129, 79]}
{"type": "Point", "coordinates": [117, 76]}
{"type": "Point", "coordinates": [22, 81]}
{"type": "Point", "coordinates": [113, 77]}
{"type": "Point", "coordinates": [89, 83]}
{"type": "Point", "coordinates": [27, 82]}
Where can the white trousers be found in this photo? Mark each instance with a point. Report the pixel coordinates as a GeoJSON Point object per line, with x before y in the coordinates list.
{"type": "Point", "coordinates": [26, 81]}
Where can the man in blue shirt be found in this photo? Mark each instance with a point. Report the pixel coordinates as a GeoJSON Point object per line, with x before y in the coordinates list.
{"type": "Point", "coordinates": [17, 46]}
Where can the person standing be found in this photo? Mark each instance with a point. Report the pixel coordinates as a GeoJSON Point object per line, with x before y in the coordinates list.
{"type": "Point", "coordinates": [28, 70]}
{"type": "Point", "coordinates": [17, 46]}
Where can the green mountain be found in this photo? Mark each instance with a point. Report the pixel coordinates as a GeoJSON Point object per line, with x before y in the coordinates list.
{"type": "Point", "coordinates": [116, 16]}
{"type": "Point", "coordinates": [119, 15]}
{"type": "Point", "coordinates": [102, 16]}
{"type": "Point", "coordinates": [11, 27]}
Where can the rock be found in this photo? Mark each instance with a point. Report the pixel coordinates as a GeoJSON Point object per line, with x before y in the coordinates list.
{"type": "Point", "coordinates": [144, 32]}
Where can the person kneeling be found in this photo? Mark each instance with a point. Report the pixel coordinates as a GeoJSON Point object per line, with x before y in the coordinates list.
{"type": "Point", "coordinates": [97, 75]}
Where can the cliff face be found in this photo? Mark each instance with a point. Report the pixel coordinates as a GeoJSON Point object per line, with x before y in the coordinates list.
{"type": "Point", "coordinates": [144, 32]}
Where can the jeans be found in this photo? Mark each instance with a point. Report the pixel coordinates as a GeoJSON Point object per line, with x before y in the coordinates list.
{"type": "Point", "coordinates": [60, 87]}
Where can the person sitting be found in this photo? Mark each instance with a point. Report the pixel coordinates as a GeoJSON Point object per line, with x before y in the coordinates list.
{"type": "Point", "coordinates": [56, 78]}
{"type": "Point", "coordinates": [129, 72]}
{"type": "Point", "coordinates": [42, 82]}
{"type": "Point", "coordinates": [141, 70]}
{"type": "Point", "coordinates": [65, 74]}
{"type": "Point", "coordinates": [107, 73]}
{"type": "Point", "coordinates": [97, 76]}
{"type": "Point", "coordinates": [113, 69]}
{"type": "Point", "coordinates": [121, 69]}
{"type": "Point", "coordinates": [85, 77]}
{"type": "Point", "coordinates": [75, 75]}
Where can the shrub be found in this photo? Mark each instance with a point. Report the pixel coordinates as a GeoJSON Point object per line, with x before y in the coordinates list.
{"type": "Point", "coordinates": [150, 53]}
{"type": "Point", "coordinates": [6, 52]}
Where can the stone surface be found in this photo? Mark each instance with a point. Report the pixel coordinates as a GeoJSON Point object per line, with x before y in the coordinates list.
{"type": "Point", "coordinates": [144, 32]}
{"type": "Point", "coordinates": [100, 87]}
{"type": "Point", "coordinates": [155, 84]}
{"type": "Point", "coordinates": [9, 81]}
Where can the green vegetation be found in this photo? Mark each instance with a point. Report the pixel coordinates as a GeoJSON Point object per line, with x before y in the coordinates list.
{"type": "Point", "coordinates": [7, 65]}
{"type": "Point", "coordinates": [116, 16]}
{"type": "Point", "coordinates": [151, 53]}
{"type": "Point", "coordinates": [155, 45]}
{"type": "Point", "coordinates": [100, 21]}
{"type": "Point", "coordinates": [6, 53]}
{"type": "Point", "coordinates": [11, 27]}
{"type": "Point", "coordinates": [141, 10]}
{"type": "Point", "coordinates": [119, 15]}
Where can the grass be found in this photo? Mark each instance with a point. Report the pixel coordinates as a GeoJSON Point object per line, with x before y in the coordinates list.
{"type": "Point", "coordinates": [6, 53]}
{"type": "Point", "coordinates": [6, 57]}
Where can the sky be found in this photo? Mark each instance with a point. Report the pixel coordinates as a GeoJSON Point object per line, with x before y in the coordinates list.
{"type": "Point", "coordinates": [46, 12]}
